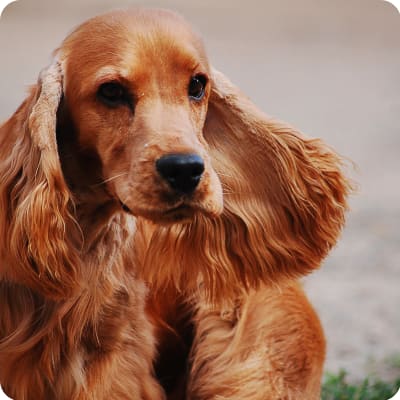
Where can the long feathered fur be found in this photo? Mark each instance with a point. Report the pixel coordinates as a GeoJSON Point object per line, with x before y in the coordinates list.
{"type": "Point", "coordinates": [36, 220]}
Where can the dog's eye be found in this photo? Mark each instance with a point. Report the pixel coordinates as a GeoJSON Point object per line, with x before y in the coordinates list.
{"type": "Point", "coordinates": [113, 94]}
{"type": "Point", "coordinates": [197, 86]}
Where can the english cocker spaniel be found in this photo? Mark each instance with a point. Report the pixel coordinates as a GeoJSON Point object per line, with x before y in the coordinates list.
{"type": "Point", "coordinates": [153, 225]}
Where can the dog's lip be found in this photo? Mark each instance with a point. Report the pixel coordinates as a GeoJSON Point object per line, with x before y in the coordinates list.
{"type": "Point", "coordinates": [183, 211]}
{"type": "Point", "coordinates": [180, 207]}
{"type": "Point", "coordinates": [125, 207]}
{"type": "Point", "coordinates": [179, 214]}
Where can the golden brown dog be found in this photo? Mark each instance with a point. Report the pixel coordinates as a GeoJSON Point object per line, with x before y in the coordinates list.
{"type": "Point", "coordinates": [153, 226]}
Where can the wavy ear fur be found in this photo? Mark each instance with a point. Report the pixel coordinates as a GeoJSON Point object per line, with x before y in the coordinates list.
{"type": "Point", "coordinates": [284, 205]}
{"type": "Point", "coordinates": [36, 224]}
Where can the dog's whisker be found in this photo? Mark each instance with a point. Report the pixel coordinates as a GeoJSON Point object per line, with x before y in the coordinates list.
{"type": "Point", "coordinates": [109, 179]}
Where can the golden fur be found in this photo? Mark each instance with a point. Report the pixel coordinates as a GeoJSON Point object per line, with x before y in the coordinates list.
{"type": "Point", "coordinates": [115, 286]}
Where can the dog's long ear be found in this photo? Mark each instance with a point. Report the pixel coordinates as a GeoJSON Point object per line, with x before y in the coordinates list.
{"type": "Point", "coordinates": [284, 204]}
{"type": "Point", "coordinates": [36, 223]}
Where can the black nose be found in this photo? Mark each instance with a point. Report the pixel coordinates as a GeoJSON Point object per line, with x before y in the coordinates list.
{"type": "Point", "coordinates": [181, 171]}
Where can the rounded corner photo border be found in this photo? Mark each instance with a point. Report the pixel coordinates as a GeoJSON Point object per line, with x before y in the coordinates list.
{"type": "Point", "coordinates": [395, 3]}
{"type": "Point", "coordinates": [396, 396]}
{"type": "Point", "coordinates": [3, 5]}
{"type": "Point", "coordinates": [3, 395]}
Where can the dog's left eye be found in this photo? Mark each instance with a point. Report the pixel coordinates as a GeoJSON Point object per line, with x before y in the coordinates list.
{"type": "Point", "coordinates": [197, 86]}
{"type": "Point", "coordinates": [113, 94]}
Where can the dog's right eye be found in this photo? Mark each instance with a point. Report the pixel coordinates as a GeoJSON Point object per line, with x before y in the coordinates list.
{"type": "Point", "coordinates": [113, 94]}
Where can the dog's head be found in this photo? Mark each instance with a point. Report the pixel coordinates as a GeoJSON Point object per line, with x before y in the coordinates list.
{"type": "Point", "coordinates": [137, 86]}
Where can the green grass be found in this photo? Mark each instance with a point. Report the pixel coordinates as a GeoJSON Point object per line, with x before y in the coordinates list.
{"type": "Point", "coordinates": [336, 387]}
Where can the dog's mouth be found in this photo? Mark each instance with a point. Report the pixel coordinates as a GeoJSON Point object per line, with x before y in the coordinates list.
{"type": "Point", "coordinates": [167, 207]}
{"type": "Point", "coordinates": [125, 207]}
{"type": "Point", "coordinates": [183, 212]}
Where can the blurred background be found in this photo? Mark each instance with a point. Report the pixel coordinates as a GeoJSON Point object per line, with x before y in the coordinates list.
{"type": "Point", "coordinates": [331, 68]}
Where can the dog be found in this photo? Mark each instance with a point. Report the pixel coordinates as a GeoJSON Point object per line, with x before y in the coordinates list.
{"type": "Point", "coordinates": [154, 225]}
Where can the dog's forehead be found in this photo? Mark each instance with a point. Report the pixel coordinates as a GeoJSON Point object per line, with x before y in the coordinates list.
{"type": "Point", "coordinates": [134, 40]}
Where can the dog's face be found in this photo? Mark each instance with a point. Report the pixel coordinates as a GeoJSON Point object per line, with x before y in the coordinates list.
{"type": "Point", "coordinates": [137, 91]}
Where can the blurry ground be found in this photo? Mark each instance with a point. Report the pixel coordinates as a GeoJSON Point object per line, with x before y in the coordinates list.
{"type": "Point", "coordinates": [330, 68]}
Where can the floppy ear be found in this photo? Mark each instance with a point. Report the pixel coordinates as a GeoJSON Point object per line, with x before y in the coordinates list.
{"type": "Point", "coordinates": [285, 194]}
{"type": "Point", "coordinates": [284, 204]}
{"type": "Point", "coordinates": [36, 224]}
